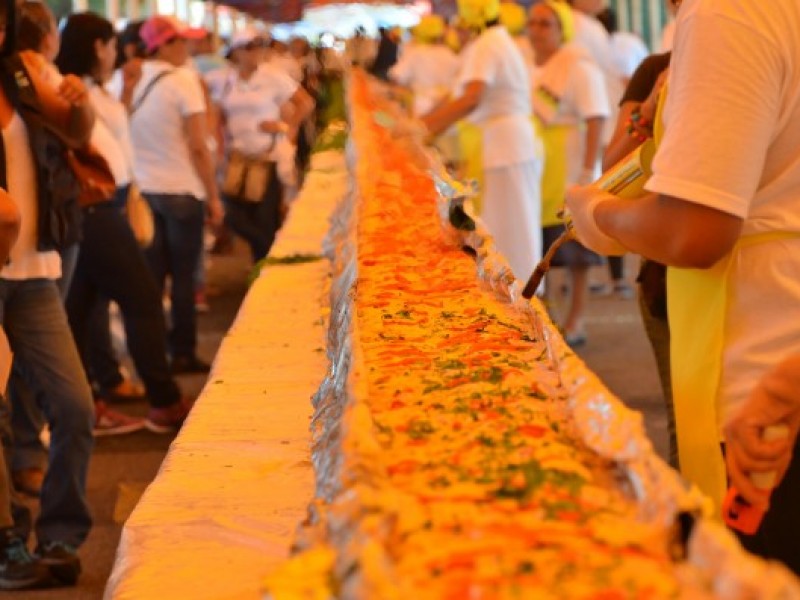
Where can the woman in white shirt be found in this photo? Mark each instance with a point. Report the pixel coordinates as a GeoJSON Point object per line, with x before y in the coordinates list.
{"type": "Point", "coordinates": [570, 105]}
{"type": "Point", "coordinates": [494, 94]}
{"type": "Point", "coordinates": [261, 108]}
{"type": "Point", "coordinates": [111, 264]}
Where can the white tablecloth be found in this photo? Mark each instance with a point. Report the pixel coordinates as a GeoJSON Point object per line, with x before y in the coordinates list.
{"type": "Point", "coordinates": [237, 480]}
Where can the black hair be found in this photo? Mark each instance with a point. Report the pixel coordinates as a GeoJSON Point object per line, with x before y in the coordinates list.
{"type": "Point", "coordinates": [35, 22]}
{"type": "Point", "coordinates": [608, 17]}
{"type": "Point", "coordinates": [77, 55]}
{"type": "Point", "coordinates": [130, 35]}
{"type": "Point", "coordinates": [8, 19]}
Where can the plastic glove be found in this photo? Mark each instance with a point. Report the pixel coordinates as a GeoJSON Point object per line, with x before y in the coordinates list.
{"type": "Point", "coordinates": [775, 400]}
{"type": "Point", "coordinates": [582, 201]}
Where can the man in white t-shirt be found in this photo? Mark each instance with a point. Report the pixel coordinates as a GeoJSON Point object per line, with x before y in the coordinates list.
{"type": "Point", "coordinates": [174, 169]}
{"type": "Point", "coordinates": [725, 205]}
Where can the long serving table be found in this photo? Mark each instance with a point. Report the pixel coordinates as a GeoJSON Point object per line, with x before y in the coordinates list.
{"type": "Point", "coordinates": [407, 502]}
{"type": "Point", "coordinates": [237, 479]}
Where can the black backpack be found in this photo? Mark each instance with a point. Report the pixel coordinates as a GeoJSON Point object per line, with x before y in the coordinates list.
{"type": "Point", "coordinates": [59, 216]}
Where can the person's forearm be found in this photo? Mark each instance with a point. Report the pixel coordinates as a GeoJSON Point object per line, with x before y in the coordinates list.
{"type": "Point", "coordinates": [442, 118]}
{"type": "Point", "coordinates": [204, 166]}
{"type": "Point", "coordinates": [126, 97]}
{"type": "Point", "coordinates": [669, 230]}
{"type": "Point", "coordinates": [594, 134]}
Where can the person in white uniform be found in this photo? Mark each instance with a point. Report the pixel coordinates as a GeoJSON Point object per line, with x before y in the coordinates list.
{"type": "Point", "coordinates": [494, 93]}
{"type": "Point", "coordinates": [427, 67]}
{"type": "Point", "coordinates": [570, 106]}
{"type": "Point", "coordinates": [724, 213]}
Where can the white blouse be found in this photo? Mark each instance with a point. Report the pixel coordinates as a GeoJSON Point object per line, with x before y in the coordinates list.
{"type": "Point", "coordinates": [111, 135]}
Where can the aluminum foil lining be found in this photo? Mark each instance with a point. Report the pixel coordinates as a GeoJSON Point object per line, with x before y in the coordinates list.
{"type": "Point", "coordinates": [346, 515]}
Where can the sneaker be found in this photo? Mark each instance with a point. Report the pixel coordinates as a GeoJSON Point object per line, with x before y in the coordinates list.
{"type": "Point", "coordinates": [19, 570]}
{"type": "Point", "coordinates": [188, 364]}
{"type": "Point", "coordinates": [168, 419]}
{"type": "Point", "coordinates": [111, 422]}
{"type": "Point", "coordinates": [28, 481]}
{"type": "Point", "coordinates": [61, 560]}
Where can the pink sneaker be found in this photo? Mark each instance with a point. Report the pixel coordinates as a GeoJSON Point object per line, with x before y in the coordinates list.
{"type": "Point", "coordinates": [111, 422]}
{"type": "Point", "coordinates": [168, 419]}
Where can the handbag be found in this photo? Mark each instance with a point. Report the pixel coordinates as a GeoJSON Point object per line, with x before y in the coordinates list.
{"type": "Point", "coordinates": [140, 216]}
{"type": "Point", "coordinates": [95, 181]}
{"type": "Point", "coordinates": [246, 179]}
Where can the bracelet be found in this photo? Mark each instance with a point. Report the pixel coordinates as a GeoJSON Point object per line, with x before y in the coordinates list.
{"type": "Point", "coordinates": [637, 122]}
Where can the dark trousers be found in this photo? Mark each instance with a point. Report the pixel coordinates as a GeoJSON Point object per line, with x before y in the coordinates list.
{"type": "Point", "coordinates": [257, 222]}
{"type": "Point", "coordinates": [105, 373]}
{"type": "Point", "coordinates": [779, 534]}
{"type": "Point", "coordinates": [175, 251]}
{"type": "Point", "coordinates": [616, 267]}
{"type": "Point", "coordinates": [111, 266]}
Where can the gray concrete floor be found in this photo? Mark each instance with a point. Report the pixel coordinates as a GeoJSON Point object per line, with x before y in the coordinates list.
{"type": "Point", "coordinates": [123, 466]}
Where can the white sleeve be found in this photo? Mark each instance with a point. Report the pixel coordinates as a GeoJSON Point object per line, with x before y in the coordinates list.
{"type": "Point", "coordinates": [722, 108]}
{"type": "Point", "coordinates": [479, 65]}
{"type": "Point", "coordinates": [189, 91]}
{"type": "Point", "coordinates": [591, 95]}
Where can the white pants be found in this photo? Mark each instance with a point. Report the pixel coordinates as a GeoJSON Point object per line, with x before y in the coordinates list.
{"type": "Point", "coordinates": [512, 212]}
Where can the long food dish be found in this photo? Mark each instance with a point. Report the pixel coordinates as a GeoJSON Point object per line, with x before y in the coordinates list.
{"type": "Point", "coordinates": [462, 451]}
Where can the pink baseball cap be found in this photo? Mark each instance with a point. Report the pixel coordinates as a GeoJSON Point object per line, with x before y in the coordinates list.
{"type": "Point", "coordinates": [160, 29]}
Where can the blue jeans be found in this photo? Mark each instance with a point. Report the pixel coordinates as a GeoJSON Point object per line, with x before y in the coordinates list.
{"type": "Point", "coordinates": [27, 419]}
{"type": "Point", "coordinates": [175, 250]}
{"type": "Point", "coordinates": [46, 358]}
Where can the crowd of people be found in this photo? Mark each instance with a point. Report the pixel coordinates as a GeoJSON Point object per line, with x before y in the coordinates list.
{"type": "Point", "coordinates": [533, 104]}
{"type": "Point", "coordinates": [210, 143]}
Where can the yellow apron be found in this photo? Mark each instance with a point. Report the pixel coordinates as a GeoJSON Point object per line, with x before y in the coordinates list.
{"type": "Point", "coordinates": [697, 310]}
{"type": "Point", "coordinates": [554, 176]}
{"type": "Point", "coordinates": [697, 307]}
{"type": "Point", "coordinates": [470, 141]}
